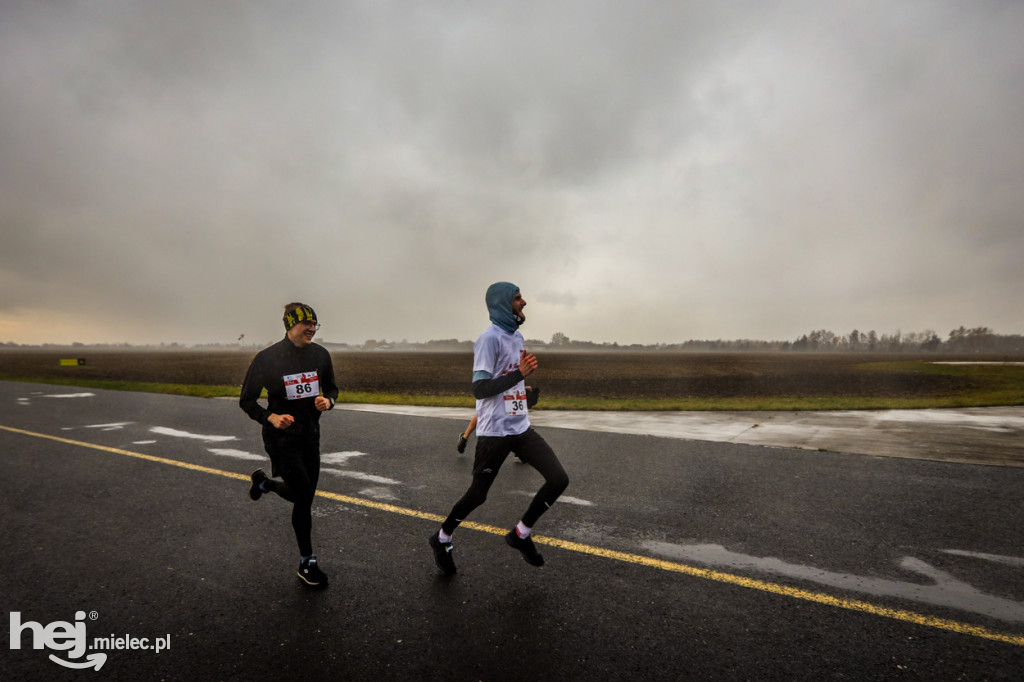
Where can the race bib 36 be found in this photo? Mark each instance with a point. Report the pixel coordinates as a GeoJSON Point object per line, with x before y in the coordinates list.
{"type": "Point", "coordinates": [515, 402]}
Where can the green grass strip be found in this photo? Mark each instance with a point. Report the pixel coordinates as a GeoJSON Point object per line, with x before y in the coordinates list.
{"type": "Point", "coordinates": [192, 390]}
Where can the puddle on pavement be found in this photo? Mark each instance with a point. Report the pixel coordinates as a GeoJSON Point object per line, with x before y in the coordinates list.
{"type": "Point", "coordinates": [942, 589]}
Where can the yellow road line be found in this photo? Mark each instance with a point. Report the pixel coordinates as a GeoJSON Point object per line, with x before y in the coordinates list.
{"type": "Point", "coordinates": [640, 560]}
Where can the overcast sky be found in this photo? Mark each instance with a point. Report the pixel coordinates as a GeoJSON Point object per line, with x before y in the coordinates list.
{"type": "Point", "coordinates": [645, 171]}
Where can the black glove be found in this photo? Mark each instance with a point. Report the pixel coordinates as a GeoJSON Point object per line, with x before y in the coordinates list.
{"type": "Point", "coordinates": [532, 395]}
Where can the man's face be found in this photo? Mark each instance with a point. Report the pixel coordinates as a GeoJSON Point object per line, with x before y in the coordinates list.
{"type": "Point", "coordinates": [518, 303]}
{"type": "Point", "coordinates": [302, 334]}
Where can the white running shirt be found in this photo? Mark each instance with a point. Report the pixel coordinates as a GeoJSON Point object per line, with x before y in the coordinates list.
{"type": "Point", "coordinates": [498, 352]}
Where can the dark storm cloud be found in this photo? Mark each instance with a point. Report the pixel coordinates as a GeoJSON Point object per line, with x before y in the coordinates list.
{"type": "Point", "coordinates": [646, 172]}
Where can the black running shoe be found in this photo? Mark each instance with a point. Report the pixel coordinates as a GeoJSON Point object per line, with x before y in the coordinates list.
{"type": "Point", "coordinates": [461, 447]}
{"type": "Point", "coordinates": [526, 548]}
{"type": "Point", "coordinates": [257, 478]}
{"type": "Point", "coordinates": [311, 573]}
{"type": "Point", "coordinates": [443, 555]}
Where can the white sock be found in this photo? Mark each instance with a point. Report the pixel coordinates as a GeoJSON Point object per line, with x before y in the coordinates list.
{"type": "Point", "coordinates": [442, 538]}
{"type": "Point", "coordinates": [522, 531]}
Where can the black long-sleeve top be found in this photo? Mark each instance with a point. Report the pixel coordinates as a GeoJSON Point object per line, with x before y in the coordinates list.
{"type": "Point", "coordinates": [288, 373]}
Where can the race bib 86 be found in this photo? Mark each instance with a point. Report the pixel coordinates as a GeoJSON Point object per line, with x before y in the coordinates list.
{"type": "Point", "coordinates": [304, 385]}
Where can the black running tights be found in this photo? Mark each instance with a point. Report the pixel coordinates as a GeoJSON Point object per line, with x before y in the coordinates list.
{"type": "Point", "coordinates": [491, 452]}
{"type": "Point", "coordinates": [299, 469]}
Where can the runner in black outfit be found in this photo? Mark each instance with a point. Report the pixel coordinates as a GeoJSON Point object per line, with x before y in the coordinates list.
{"type": "Point", "coordinates": [299, 378]}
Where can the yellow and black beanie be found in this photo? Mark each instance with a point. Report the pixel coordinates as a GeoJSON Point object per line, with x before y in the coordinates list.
{"type": "Point", "coordinates": [301, 314]}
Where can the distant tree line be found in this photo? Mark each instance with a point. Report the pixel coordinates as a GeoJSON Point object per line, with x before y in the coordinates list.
{"type": "Point", "coordinates": [960, 340]}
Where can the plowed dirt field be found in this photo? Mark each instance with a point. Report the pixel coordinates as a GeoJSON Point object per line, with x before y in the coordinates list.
{"type": "Point", "coordinates": [620, 375]}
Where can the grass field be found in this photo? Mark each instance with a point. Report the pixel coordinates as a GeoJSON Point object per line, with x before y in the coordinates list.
{"type": "Point", "coordinates": [595, 381]}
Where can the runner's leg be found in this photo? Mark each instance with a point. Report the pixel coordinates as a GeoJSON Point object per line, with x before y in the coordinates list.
{"type": "Point", "coordinates": [535, 451]}
{"type": "Point", "coordinates": [299, 469]}
{"type": "Point", "coordinates": [491, 452]}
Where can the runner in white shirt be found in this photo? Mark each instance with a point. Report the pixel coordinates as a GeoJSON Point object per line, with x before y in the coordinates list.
{"type": "Point", "coordinates": [500, 367]}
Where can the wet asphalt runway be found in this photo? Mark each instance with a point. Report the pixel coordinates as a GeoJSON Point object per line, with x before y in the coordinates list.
{"type": "Point", "coordinates": [667, 558]}
{"type": "Point", "coordinates": [987, 435]}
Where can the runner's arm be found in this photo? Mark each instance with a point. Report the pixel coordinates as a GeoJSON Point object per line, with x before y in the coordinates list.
{"type": "Point", "coordinates": [328, 384]}
{"type": "Point", "coordinates": [251, 389]}
{"type": "Point", "coordinates": [485, 386]}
